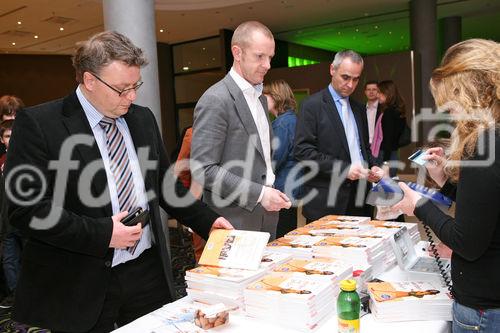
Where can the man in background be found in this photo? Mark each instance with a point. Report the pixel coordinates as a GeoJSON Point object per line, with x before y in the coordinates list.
{"type": "Point", "coordinates": [231, 146]}
{"type": "Point", "coordinates": [372, 112]}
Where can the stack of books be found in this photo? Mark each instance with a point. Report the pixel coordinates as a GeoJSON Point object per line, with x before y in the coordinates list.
{"type": "Point", "coordinates": [293, 300]}
{"type": "Point", "coordinates": [230, 261]}
{"type": "Point", "coordinates": [300, 246]}
{"type": "Point", "coordinates": [409, 300]}
{"type": "Point", "coordinates": [335, 269]}
{"type": "Point", "coordinates": [220, 285]}
{"type": "Point", "coordinates": [357, 250]}
{"type": "Point", "coordinates": [412, 228]}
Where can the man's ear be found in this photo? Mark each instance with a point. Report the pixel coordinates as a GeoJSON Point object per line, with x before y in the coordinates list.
{"type": "Point", "coordinates": [236, 51]}
{"type": "Point", "coordinates": [89, 81]}
{"type": "Point", "coordinates": [332, 70]}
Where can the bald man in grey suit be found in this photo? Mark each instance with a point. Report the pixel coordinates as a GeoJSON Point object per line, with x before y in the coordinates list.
{"type": "Point", "coordinates": [231, 146]}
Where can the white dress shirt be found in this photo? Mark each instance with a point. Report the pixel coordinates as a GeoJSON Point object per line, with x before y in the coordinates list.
{"type": "Point", "coordinates": [94, 117]}
{"type": "Point", "coordinates": [371, 115]}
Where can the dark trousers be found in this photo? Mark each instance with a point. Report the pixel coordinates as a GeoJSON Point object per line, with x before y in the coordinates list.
{"type": "Point", "coordinates": [287, 221]}
{"type": "Point", "coordinates": [12, 247]}
{"type": "Point", "coordinates": [137, 287]}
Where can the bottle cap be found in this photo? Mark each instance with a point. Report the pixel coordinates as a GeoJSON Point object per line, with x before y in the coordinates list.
{"type": "Point", "coordinates": [348, 285]}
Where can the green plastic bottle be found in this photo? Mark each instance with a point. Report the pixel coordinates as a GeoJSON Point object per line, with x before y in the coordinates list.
{"type": "Point", "coordinates": [348, 307]}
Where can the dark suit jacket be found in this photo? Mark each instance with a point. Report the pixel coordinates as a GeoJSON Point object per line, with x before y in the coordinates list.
{"type": "Point", "coordinates": [66, 268]}
{"type": "Point", "coordinates": [320, 137]}
{"type": "Point", "coordinates": [392, 127]}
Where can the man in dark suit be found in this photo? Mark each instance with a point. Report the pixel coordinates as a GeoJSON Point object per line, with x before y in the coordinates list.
{"type": "Point", "coordinates": [76, 167]}
{"type": "Point", "coordinates": [332, 131]}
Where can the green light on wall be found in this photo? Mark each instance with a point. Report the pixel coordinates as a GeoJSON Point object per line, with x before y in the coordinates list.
{"type": "Point", "coordinates": [294, 62]}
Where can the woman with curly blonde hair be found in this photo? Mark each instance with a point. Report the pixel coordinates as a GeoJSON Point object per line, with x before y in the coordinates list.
{"type": "Point", "coordinates": [467, 84]}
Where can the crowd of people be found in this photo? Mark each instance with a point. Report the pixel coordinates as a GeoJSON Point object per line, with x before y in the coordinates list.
{"type": "Point", "coordinates": [237, 169]}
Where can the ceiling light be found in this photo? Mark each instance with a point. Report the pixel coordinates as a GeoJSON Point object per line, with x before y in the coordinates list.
{"type": "Point", "coordinates": [36, 36]}
{"type": "Point", "coordinates": [19, 22]}
{"type": "Point", "coordinates": [13, 43]}
{"type": "Point", "coordinates": [185, 68]}
{"type": "Point", "coordinates": [161, 30]}
{"type": "Point", "coordinates": [61, 29]}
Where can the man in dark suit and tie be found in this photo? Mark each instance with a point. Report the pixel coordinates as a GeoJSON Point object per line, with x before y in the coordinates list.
{"type": "Point", "coordinates": [332, 131]}
{"type": "Point", "coordinates": [76, 166]}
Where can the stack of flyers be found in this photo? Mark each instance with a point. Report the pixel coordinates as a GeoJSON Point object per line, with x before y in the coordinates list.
{"type": "Point", "coordinates": [298, 246]}
{"type": "Point", "coordinates": [409, 300]}
{"type": "Point", "coordinates": [336, 269]}
{"type": "Point", "coordinates": [293, 300]}
{"type": "Point", "coordinates": [225, 285]}
{"type": "Point", "coordinates": [412, 228]}
{"type": "Point", "coordinates": [355, 250]}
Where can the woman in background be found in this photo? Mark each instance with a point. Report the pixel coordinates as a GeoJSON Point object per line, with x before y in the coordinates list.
{"type": "Point", "coordinates": [393, 122]}
{"type": "Point", "coordinates": [281, 103]}
{"type": "Point", "coordinates": [467, 84]}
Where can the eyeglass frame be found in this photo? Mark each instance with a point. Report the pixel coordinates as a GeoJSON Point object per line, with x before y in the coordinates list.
{"type": "Point", "coordinates": [119, 92]}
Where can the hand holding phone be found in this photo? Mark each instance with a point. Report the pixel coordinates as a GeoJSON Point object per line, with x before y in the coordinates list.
{"type": "Point", "coordinates": [138, 215]}
{"type": "Point", "coordinates": [416, 157]}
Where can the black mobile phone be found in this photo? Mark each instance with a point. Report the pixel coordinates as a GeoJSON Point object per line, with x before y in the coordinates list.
{"type": "Point", "coordinates": [138, 215]}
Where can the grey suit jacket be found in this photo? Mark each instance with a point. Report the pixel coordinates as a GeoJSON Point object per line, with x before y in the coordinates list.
{"type": "Point", "coordinates": [227, 157]}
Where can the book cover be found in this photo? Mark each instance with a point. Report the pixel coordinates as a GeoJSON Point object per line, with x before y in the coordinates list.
{"type": "Point", "coordinates": [234, 249]}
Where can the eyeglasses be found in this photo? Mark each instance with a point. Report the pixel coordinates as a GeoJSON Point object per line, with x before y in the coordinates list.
{"type": "Point", "coordinates": [123, 92]}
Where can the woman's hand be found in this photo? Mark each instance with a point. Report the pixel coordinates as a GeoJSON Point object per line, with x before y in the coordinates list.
{"type": "Point", "coordinates": [409, 202]}
{"type": "Point", "coordinates": [435, 165]}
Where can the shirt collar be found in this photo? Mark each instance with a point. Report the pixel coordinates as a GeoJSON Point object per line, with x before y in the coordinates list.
{"type": "Point", "coordinates": [91, 112]}
{"type": "Point", "coordinates": [335, 95]}
{"type": "Point", "coordinates": [372, 105]}
{"type": "Point", "coordinates": [244, 85]}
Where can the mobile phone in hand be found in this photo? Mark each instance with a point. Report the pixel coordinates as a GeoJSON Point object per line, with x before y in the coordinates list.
{"type": "Point", "coordinates": [138, 215]}
{"type": "Point", "coordinates": [416, 157]}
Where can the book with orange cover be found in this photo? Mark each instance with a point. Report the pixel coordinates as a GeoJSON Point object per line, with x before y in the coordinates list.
{"type": "Point", "coordinates": [336, 269]}
{"type": "Point", "coordinates": [409, 300]}
{"type": "Point", "coordinates": [234, 249]}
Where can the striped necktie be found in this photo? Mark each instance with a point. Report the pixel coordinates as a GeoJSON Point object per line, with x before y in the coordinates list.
{"type": "Point", "coordinates": [119, 165]}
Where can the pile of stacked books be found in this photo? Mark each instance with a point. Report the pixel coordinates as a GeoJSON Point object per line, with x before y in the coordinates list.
{"type": "Point", "coordinates": [335, 269]}
{"type": "Point", "coordinates": [360, 251]}
{"type": "Point", "coordinates": [409, 300]}
{"type": "Point", "coordinates": [212, 285]}
{"type": "Point", "coordinates": [293, 300]}
{"type": "Point", "coordinates": [412, 228]}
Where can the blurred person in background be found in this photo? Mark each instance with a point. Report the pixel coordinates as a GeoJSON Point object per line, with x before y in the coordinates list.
{"type": "Point", "coordinates": [467, 84]}
{"type": "Point", "coordinates": [392, 107]}
{"type": "Point", "coordinates": [9, 105]}
{"type": "Point", "coordinates": [281, 103]}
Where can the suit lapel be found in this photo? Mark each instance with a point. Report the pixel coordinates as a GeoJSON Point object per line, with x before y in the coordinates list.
{"type": "Point", "coordinates": [136, 125]}
{"type": "Point", "coordinates": [358, 114]}
{"type": "Point", "coordinates": [244, 113]}
{"type": "Point", "coordinates": [77, 123]}
{"type": "Point", "coordinates": [331, 111]}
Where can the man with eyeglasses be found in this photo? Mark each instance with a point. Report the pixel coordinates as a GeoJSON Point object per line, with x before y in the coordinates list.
{"type": "Point", "coordinates": [83, 269]}
{"type": "Point", "coordinates": [332, 131]}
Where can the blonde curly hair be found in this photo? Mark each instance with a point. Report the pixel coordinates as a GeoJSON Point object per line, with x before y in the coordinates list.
{"type": "Point", "coordinates": [467, 83]}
